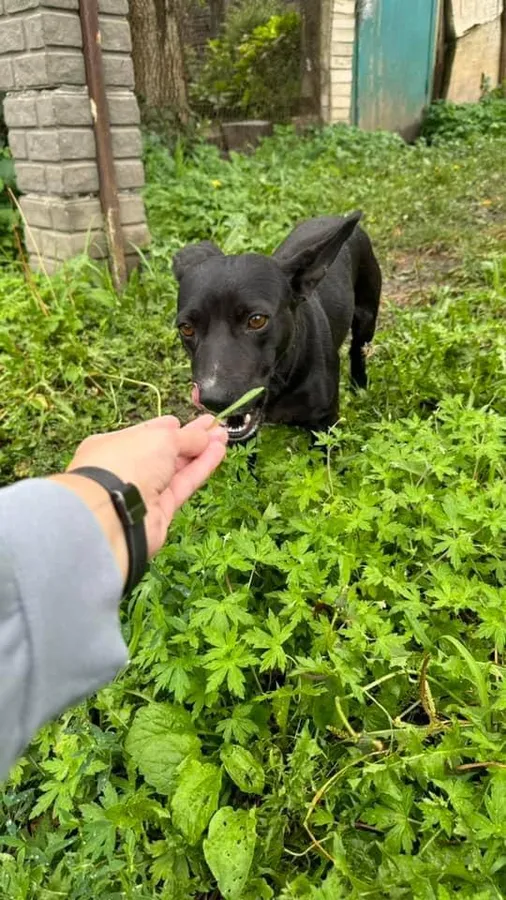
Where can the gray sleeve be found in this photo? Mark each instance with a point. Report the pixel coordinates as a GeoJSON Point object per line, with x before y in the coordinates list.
{"type": "Point", "coordinates": [60, 589]}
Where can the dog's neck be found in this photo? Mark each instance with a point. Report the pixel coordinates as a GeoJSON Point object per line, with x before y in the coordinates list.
{"type": "Point", "coordinates": [290, 367]}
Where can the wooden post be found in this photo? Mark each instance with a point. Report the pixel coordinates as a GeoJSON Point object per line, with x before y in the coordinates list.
{"type": "Point", "coordinates": [88, 11]}
{"type": "Point", "coordinates": [439, 64]}
{"type": "Point", "coordinates": [502, 60]}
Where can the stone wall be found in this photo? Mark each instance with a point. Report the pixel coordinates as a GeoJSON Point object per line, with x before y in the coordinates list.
{"type": "Point", "coordinates": [338, 42]}
{"type": "Point", "coordinates": [48, 114]}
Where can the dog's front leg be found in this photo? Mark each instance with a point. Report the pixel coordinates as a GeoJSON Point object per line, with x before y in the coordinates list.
{"type": "Point", "coordinates": [327, 422]}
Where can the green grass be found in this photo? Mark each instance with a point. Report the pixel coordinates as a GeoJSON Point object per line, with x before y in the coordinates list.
{"type": "Point", "coordinates": [315, 703]}
{"type": "Point", "coordinates": [448, 197]}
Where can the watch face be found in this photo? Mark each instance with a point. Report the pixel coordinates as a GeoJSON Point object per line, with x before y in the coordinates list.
{"type": "Point", "coordinates": [134, 504]}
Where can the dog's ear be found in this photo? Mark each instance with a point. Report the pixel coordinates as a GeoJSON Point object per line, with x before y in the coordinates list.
{"type": "Point", "coordinates": [307, 265]}
{"type": "Point", "coordinates": [192, 255]}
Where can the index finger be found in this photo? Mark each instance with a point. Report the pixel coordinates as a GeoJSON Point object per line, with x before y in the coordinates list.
{"type": "Point", "coordinates": [193, 475]}
{"type": "Point", "coordinates": [193, 439]}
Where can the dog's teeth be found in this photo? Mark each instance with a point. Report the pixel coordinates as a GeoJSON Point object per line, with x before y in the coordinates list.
{"type": "Point", "coordinates": [247, 428]}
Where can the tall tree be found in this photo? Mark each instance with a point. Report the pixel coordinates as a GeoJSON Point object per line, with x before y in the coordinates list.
{"type": "Point", "coordinates": [158, 54]}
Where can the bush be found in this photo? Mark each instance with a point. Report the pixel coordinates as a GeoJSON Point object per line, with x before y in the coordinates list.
{"type": "Point", "coordinates": [448, 121]}
{"type": "Point", "coordinates": [242, 18]}
{"type": "Point", "coordinates": [257, 76]}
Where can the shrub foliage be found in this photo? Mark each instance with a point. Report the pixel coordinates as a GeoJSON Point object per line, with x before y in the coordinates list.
{"type": "Point", "coordinates": [255, 74]}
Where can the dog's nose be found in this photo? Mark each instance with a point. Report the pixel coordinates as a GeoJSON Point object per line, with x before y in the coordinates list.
{"type": "Point", "coordinates": [214, 397]}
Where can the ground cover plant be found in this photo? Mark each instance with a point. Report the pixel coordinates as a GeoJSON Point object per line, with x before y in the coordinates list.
{"type": "Point", "coordinates": [315, 704]}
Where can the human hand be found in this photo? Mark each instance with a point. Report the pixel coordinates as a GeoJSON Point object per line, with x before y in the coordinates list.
{"type": "Point", "coordinates": [166, 463]}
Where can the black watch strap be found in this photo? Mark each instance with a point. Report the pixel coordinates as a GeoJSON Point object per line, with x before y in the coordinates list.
{"type": "Point", "coordinates": [129, 505]}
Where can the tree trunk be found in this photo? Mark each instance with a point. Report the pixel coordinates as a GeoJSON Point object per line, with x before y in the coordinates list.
{"type": "Point", "coordinates": [158, 54]}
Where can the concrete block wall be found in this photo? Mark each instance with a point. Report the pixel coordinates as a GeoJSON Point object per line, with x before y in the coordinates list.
{"type": "Point", "coordinates": [48, 114]}
{"type": "Point", "coordinates": [338, 23]}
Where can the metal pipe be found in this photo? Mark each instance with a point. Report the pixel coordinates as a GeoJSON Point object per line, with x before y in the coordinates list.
{"type": "Point", "coordinates": [88, 11]}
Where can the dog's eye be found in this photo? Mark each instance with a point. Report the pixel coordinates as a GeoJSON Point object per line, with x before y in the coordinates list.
{"type": "Point", "coordinates": [187, 330]}
{"type": "Point", "coordinates": [257, 322]}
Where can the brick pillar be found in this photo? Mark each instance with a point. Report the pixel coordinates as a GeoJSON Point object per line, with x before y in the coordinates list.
{"type": "Point", "coordinates": [47, 111]}
{"type": "Point", "coordinates": [338, 35]}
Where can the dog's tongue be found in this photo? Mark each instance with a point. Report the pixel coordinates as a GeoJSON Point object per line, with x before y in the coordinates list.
{"type": "Point", "coordinates": [196, 396]}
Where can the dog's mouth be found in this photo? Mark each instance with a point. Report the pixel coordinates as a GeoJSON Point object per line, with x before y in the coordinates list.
{"type": "Point", "coordinates": [243, 426]}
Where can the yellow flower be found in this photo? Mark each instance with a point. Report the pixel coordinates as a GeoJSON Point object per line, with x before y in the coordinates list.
{"type": "Point", "coordinates": [215, 183]}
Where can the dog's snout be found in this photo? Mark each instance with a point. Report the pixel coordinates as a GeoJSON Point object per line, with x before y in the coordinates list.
{"type": "Point", "coordinates": [214, 397]}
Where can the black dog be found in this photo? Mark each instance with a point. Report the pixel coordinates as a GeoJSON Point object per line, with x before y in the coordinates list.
{"type": "Point", "coordinates": [278, 322]}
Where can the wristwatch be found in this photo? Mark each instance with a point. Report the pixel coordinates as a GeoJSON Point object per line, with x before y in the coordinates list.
{"type": "Point", "coordinates": [131, 510]}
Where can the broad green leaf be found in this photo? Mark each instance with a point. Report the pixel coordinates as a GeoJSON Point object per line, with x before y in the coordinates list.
{"type": "Point", "coordinates": [196, 798]}
{"type": "Point", "coordinates": [161, 737]}
{"type": "Point", "coordinates": [229, 849]}
{"type": "Point", "coordinates": [258, 889]}
{"type": "Point", "coordinates": [244, 770]}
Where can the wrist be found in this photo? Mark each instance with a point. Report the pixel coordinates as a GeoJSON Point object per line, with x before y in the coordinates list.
{"type": "Point", "coordinates": [99, 502]}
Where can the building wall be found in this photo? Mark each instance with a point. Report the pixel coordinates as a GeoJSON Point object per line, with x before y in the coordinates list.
{"type": "Point", "coordinates": [475, 30]}
{"type": "Point", "coordinates": [338, 42]}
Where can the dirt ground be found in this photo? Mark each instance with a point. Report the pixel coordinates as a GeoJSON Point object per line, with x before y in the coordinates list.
{"type": "Point", "coordinates": [413, 276]}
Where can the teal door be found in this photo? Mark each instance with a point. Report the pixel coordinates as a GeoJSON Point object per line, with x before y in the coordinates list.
{"type": "Point", "coordinates": [394, 60]}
